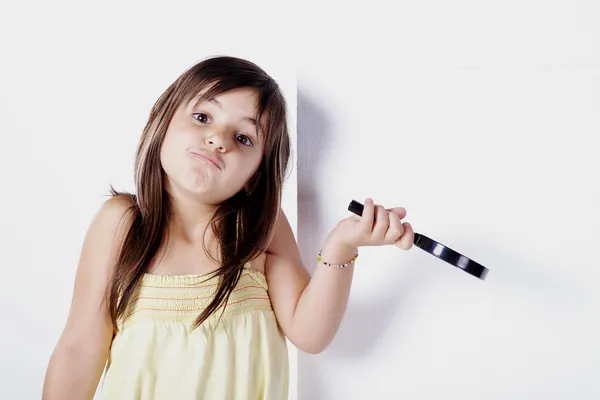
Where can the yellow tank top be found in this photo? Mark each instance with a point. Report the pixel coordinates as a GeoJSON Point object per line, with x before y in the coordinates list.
{"type": "Point", "coordinates": [156, 354]}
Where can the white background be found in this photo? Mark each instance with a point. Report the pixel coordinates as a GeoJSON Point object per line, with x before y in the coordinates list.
{"type": "Point", "coordinates": [78, 83]}
{"type": "Point", "coordinates": [481, 118]}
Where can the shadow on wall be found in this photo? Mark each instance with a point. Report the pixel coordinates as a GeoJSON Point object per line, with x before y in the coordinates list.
{"type": "Point", "coordinates": [366, 321]}
{"type": "Point", "coordinates": [313, 131]}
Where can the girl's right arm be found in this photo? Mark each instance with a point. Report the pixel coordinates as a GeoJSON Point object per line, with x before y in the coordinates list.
{"type": "Point", "coordinates": [80, 355]}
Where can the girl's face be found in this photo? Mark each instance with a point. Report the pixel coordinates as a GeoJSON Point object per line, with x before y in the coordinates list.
{"type": "Point", "coordinates": [212, 148]}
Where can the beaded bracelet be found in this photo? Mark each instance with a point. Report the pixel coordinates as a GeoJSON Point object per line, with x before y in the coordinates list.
{"type": "Point", "coordinates": [337, 265]}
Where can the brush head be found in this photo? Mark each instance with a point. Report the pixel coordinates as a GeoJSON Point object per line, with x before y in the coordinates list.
{"type": "Point", "coordinates": [452, 257]}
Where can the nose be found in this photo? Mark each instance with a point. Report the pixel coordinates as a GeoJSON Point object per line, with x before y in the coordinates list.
{"type": "Point", "coordinates": [215, 140]}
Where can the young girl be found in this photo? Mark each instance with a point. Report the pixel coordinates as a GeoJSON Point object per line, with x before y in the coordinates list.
{"type": "Point", "coordinates": [188, 289]}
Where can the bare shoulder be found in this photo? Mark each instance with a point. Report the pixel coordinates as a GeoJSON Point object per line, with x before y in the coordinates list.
{"type": "Point", "coordinates": [103, 241]}
{"type": "Point", "coordinates": [283, 243]}
{"type": "Point", "coordinates": [115, 208]}
{"type": "Point", "coordinates": [104, 237]}
{"type": "Point", "coordinates": [109, 226]}
{"type": "Point", "coordinates": [89, 328]}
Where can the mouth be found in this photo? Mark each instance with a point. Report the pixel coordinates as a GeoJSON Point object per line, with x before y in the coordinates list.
{"type": "Point", "coordinates": [207, 158]}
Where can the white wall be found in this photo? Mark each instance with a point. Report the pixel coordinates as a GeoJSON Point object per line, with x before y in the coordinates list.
{"type": "Point", "coordinates": [78, 83]}
{"type": "Point", "coordinates": [482, 119]}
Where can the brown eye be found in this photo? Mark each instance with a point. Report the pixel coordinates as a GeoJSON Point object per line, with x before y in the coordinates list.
{"type": "Point", "coordinates": [244, 140]}
{"type": "Point", "coordinates": [203, 118]}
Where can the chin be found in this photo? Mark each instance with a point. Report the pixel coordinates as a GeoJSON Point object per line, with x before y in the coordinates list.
{"type": "Point", "coordinates": [194, 183]}
{"type": "Point", "coordinates": [202, 186]}
{"type": "Point", "coordinates": [197, 186]}
{"type": "Point", "coordinates": [204, 189]}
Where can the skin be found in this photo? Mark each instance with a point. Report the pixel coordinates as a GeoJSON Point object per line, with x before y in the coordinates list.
{"type": "Point", "coordinates": [308, 309]}
{"type": "Point", "coordinates": [221, 129]}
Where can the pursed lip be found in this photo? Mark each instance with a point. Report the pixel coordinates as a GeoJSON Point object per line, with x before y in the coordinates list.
{"type": "Point", "coordinates": [206, 156]}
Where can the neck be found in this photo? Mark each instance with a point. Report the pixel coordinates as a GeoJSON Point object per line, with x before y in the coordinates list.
{"type": "Point", "coordinates": [189, 218]}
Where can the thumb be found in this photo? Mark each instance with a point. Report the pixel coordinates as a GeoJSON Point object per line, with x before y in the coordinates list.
{"type": "Point", "coordinates": [401, 211]}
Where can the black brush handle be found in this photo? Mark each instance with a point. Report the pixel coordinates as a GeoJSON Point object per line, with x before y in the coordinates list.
{"type": "Point", "coordinates": [437, 249]}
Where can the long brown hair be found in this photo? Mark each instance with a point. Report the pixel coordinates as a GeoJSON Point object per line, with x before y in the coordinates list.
{"type": "Point", "coordinates": [242, 224]}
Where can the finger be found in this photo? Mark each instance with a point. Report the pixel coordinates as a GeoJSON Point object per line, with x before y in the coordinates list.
{"type": "Point", "coordinates": [382, 222]}
{"type": "Point", "coordinates": [408, 237]}
{"type": "Point", "coordinates": [395, 229]}
{"type": "Point", "coordinates": [368, 216]}
{"type": "Point", "coordinates": [401, 211]}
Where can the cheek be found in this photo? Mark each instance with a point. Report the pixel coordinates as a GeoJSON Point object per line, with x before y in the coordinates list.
{"type": "Point", "coordinates": [172, 152]}
{"type": "Point", "coordinates": [255, 164]}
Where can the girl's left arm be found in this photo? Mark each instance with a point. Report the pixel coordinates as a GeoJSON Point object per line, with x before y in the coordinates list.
{"type": "Point", "coordinates": [310, 309]}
